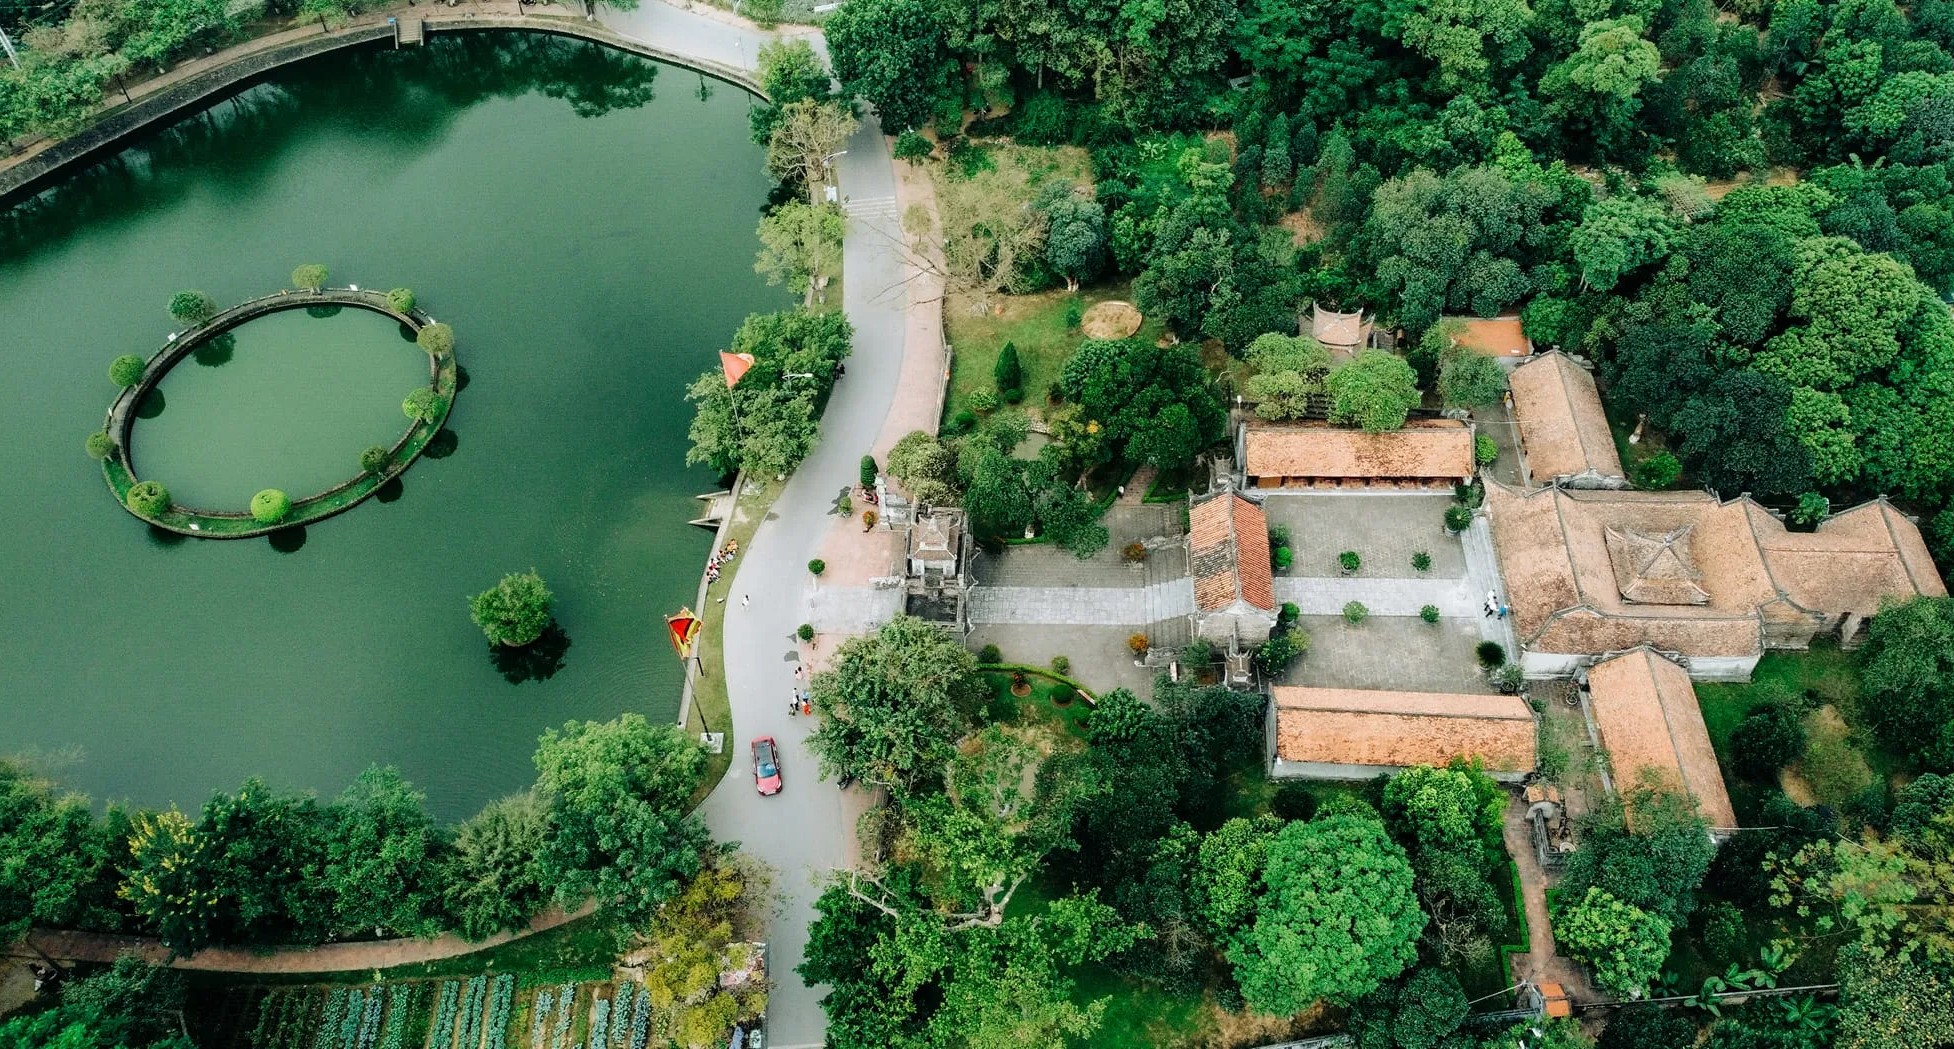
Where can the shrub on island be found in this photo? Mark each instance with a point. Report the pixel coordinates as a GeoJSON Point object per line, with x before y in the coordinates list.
{"type": "Point", "coordinates": [270, 506]}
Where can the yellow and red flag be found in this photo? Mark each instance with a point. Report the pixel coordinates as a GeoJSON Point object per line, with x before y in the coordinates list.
{"type": "Point", "coordinates": [684, 629]}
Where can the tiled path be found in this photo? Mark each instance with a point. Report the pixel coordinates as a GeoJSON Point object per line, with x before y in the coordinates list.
{"type": "Point", "coordinates": [1082, 606]}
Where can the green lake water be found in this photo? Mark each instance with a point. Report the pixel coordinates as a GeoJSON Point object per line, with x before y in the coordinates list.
{"type": "Point", "coordinates": [585, 221]}
{"type": "Point", "coordinates": [285, 401]}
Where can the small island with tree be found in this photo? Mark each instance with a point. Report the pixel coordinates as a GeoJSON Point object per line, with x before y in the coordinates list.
{"type": "Point", "coordinates": [271, 509]}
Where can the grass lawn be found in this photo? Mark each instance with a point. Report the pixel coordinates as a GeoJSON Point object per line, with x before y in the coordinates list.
{"type": "Point", "coordinates": [709, 700]}
{"type": "Point", "coordinates": [1006, 708]}
{"type": "Point", "coordinates": [1035, 324]}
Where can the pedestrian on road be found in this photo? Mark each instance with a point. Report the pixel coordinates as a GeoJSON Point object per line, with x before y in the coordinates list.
{"type": "Point", "coordinates": [793, 704]}
{"type": "Point", "coordinates": [1505, 610]}
{"type": "Point", "coordinates": [745, 599]}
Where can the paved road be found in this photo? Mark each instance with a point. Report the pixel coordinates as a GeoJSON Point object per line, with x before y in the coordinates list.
{"type": "Point", "coordinates": [802, 832]}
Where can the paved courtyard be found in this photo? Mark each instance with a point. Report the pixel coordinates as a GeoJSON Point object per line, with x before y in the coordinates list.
{"type": "Point", "coordinates": [1383, 529]}
{"type": "Point", "coordinates": [1392, 653]}
{"type": "Point", "coordinates": [1100, 659]}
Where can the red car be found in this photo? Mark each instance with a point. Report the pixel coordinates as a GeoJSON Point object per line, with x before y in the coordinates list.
{"type": "Point", "coordinates": [766, 766]}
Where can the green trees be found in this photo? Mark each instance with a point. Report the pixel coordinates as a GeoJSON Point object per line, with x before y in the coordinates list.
{"type": "Point", "coordinates": [1655, 866]}
{"type": "Point", "coordinates": [492, 878]}
{"type": "Point", "coordinates": [374, 459]}
{"type": "Point", "coordinates": [1337, 916]}
{"type": "Point", "coordinates": [270, 506]}
{"type": "Point", "coordinates": [1908, 672]}
{"type": "Point", "coordinates": [1769, 738]}
{"type": "Point", "coordinates": [1075, 234]}
{"type": "Point", "coordinates": [619, 829]}
{"type": "Point", "coordinates": [790, 71]}
{"type": "Point", "coordinates": [148, 498]}
{"type": "Point", "coordinates": [1470, 380]}
{"type": "Point", "coordinates": [401, 300]}
{"type": "Point", "coordinates": [800, 244]}
{"type": "Point", "coordinates": [1624, 944]}
{"type": "Point", "coordinates": [130, 1005]}
{"type": "Point", "coordinates": [99, 445]}
{"type": "Point", "coordinates": [514, 611]}
{"type": "Point", "coordinates": [892, 702]}
{"type": "Point", "coordinates": [1289, 373]}
{"type": "Point", "coordinates": [1374, 390]}
{"type": "Point", "coordinates": [437, 339]}
{"type": "Point", "coordinates": [309, 277]}
{"type": "Point", "coordinates": [1658, 471]}
{"type": "Point", "coordinates": [126, 370]}
{"type": "Point", "coordinates": [766, 422]}
{"type": "Point", "coordinates": [1617, 236]}
{"type": "Point", "coordinates": [1156, 406]}
{"type": "Point", "coordinates": [192, 307]}
{"type": "Point", "coordinates": [381, 857]}
{"type": "Point", "coordinates": [805, 139]}
{"type": "Point", "coordinates": [895, 54]}
{"type": "Point", "coordinates": [61, 860]}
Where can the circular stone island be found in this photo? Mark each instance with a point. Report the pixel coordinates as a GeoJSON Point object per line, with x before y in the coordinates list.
{"type": "Point", "coordinates": [287, 393]}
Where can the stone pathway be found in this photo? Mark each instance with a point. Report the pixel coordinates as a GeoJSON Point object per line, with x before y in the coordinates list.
{"type": "Point", "coordinates": [846, 610]}
{"type": "Point", "coordinates": [1540, 963]}
{"type": "Point", "coordinates": [1082, 606]}
{"type": "Point", "coordinates": [1384, 597]}
{"type": "Point", "coordinates": [102, 948]}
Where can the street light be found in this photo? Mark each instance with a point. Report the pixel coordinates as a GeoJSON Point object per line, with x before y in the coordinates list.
{"type": "Point", "coordinates": [797, 375]}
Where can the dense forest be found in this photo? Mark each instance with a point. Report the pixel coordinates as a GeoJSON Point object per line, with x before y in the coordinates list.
{"type": "Point", "coordinates": [1741, 213]}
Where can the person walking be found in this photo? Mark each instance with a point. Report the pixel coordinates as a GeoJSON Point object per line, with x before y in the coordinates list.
{"type": "Point", "coordinates": [745, 599]}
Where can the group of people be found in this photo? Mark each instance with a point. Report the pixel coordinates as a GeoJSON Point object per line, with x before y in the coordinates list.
{"type": "Point", "coordinates": [1495, 607]}
{"type": "Point", "coordinates": [724, 555]}
{"type": "Point", "coordinates": [800, 700]}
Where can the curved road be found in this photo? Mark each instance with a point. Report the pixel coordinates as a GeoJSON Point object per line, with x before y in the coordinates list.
{"type": "Point", "coordinates": [803, 832]}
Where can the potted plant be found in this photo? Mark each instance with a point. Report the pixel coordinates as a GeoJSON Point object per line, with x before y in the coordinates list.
{"type": "Point", "coordinates": [1139, 643]}
{"type": "Point", "coordinates": [1349, 562]}
{"type": "Point", "coordinates": [846, 506]}
{"type": "Point", "coordinates": [869, 517]}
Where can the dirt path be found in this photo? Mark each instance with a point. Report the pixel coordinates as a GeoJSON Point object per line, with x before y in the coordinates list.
{"type": "Point", "coordinates": [1540, 964]}
{"type": "Point", "coordinates": [329, 958]}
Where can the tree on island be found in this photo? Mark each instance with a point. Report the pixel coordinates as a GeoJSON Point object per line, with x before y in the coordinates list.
{"type": "Point", "coordinates": [270, 506]}
{"type": "Point", "coordinates": [437, 339]}
{"type": "Point", "coordinates": [100, 445]}
{"type": "Point", "coordinates": [401, 300]}
{"type": "Point", "coordinates": [423, 405]}
{"type": "Point", "coordinates": [514, 611]}
{"type": "Point", "coordinates": [374, 459]}
{"type": "Point", "coordinates": [126, 370]}
{"type": "Point", "coordinates": [309, 277]}
{"type": "Point", "coordinates": [148, 498]}
{"type": "Point", "coordinates": [192, 307]}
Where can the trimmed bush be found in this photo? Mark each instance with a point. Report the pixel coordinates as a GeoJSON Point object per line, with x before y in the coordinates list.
{"type": "Point", "coordinates": [148, 498]}
{"type": "Point", "coordinates": [126, 371]}
{"type": "Point", "coordinates": [1288, 613]}
{"type": "Point", "coordinates": [1484, 450]}
{"type": "Point", "coordinates": [437, 339]}
{"type": "Point", "coordinates": [1657, 472]}
{"type": "Point", "coordinates": [816, 566]}
{"type": "Point", "coordinates": [374, 459]}
{"type": "Point", "coordinates": [1061, 665]}
{"type": "Point", "coordinates": [513, 612]}
{"type": "Point", "coordinates": [1075, 312]}
{"type": "Point", "coordinates": [806, 632]}
{"type": "Point", "coordinates": [99, 445]}
{"type": "Point", "coordinates": [990, 654]}
{"type": "Point", "coordinates": [1421, 561]}
{"type": "Point", "coordinates": [868, 471]}
{"type": "Point", "coordinates": [1429, 613]}
{"type": "Point", "coordinates": [1510, 678]}
{"type": "Point", "coordinates": [270, 506]}
{"type": "Point", "coordinates": [423, 405]}
{"type": "Point", "coordinates": [913, 146]}
{"type": "Point", "coordinates": [192, 307]}
{"type": "Point", "coordinates": [1768, 739]}
{"type": "Point", "coordinates": [1063, 695]}
{"type": "Point", "coordinates": [961, 422]}
{"type": "Point", "coordinates": [1457, 519]}
{"type": "Point", "coordinates": [1349, 561]}
{"type": "Point", "coordinates": [1007, 372]}
{"type": "Point", "coordinates": [1014, 395]}
{"type": "Point", "coordinates": [401, 300]}
{"type": "Point", "coordinates": [1355, 613]}
{"type": "Point", "coordinates": [1491, 654]}
{"type": "Point", "coordinates": [1139, 643]}
{"type": "Point", "coordinates": [309, 277]}
{"type": "Point", "coordinates": [1283, 558]}
{"type": "Point", "coordinates": [983, 402]}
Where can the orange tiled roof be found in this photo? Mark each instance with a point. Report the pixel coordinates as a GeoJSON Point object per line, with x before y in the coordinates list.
{"type": "Point", "coordinates": [1646, 711]}
{"type": "Point", "coordinates": [1228, 541]}
{"type": "Point", "coordinates": [1367, 727]}
{"type": "Point", "coordinates": [1424, 449]}
{"type": "Point", "coordinates": [1562, 425]}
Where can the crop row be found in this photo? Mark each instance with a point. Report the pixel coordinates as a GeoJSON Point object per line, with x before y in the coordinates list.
{"type": "Point", "coordinates": [401, 1000]}
{"type": "Point", "coordinates": [444, 1015]}
{"type": "Point", "coordinates": [600, 1023]}
{"type": "Point", "coordinates": [539, 1021]}
{"type": "Point", "coordinates": [566, 1005]}
{"type": "Point", "coordinates": [640, 1019]}
{"type": "Point", "coordinates": [327, 1034]}
{"type": "Point", "coordinates": [502, 997]}
{"type": "Point", "coordinates": [284, 1020]}
{"type": "Point", "coordinates": [471, 1011]}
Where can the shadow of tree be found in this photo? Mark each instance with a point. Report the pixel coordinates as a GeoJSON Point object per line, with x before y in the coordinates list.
{"type": "Point", "coordinates": [537, 661]}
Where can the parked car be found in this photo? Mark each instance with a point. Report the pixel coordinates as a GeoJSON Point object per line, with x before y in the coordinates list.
{"type": "Point", "coordinates": [766, 766]}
